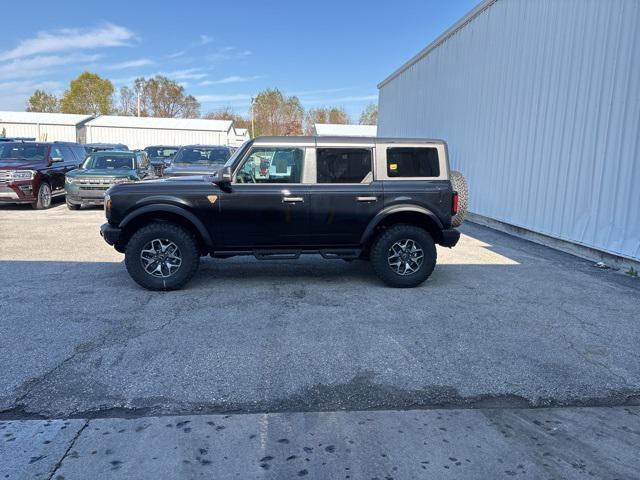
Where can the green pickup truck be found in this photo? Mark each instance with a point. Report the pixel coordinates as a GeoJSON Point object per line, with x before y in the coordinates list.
{"type": "Point", "coordinates": [100, 170]}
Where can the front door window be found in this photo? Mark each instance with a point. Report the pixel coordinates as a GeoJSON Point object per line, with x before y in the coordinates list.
{"type": "Point", "coordinates": [272, 165]}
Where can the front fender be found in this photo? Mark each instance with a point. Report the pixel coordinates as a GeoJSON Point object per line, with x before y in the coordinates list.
{"type": "Point", "coordinates": [174, 209]}
{"type": "Point", "coordinates": [391, 210]}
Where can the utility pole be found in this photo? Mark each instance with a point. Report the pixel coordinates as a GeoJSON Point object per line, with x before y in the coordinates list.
{"type": "Point", "coordinates": [253, 126]}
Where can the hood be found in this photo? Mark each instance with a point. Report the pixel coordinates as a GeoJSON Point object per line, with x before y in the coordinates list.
{"type": "Point", "coordinates": [21, 165]}
{"type": "Point", "coordinates": [101, 172]}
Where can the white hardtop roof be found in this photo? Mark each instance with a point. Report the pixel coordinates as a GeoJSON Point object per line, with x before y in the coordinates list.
{"type": "Point", "coordinates": [161, 123]}
{"type": "Point", "coordinates": [464, 21]}
{"type": "Point", "coordinates": [333, 129]}
{"type": "Point", "coordinates": [43, 118]}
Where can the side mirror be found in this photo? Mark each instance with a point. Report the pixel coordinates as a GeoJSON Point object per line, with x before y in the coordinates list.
{"type": "Point", "coordinates": [222, 176]}
{"type": "Point", "coordinates": [56, 159]}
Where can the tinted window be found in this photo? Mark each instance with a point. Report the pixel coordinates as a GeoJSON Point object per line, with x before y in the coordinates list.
{"type": "Point", "coordinates": [56, 152]}
{"type": "Point", "coordinates": [343, 165]}
{"type": "Point", "coordinates": [413, 162]}
{"type": "Point", "coordinates": [203, 155]}
{"type": "Point", "coordinates": [68, 154]}
{"type": "Point", "coordinates": [162, 152]}
{"type": "Point", "coordinates": [272, 165]}
{"type": "Point", "coordinates": [22, 151]}
{"type": "Point", "coordinates": [110, 162]}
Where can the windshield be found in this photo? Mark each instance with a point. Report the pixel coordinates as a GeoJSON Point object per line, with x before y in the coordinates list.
{"type": "Point", "coordinates": [238, 153]}
{"type": "Point", "coordinates": [109, 162]}
{"type": "Point", "coordinates": [202, 155]}
{"type": "Point", "coordinates": [163, 152]}
{"type": "Point", "coordinates": [23, 151]}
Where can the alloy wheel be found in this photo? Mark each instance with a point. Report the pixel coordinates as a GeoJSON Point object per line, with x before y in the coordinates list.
{"type": "Point", "coordinates": [45, 195]}
{"type": "Point", "coordinates": [161, 258]}
{"type": "Point", "coordinates": [405, 257]}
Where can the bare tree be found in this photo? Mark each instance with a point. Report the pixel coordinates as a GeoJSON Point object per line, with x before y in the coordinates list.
{"type": "Point", "coordinates": [227, 113]}
{"type": "Point", "coordinates": [369, 115]}
{"type": "Point", "coordinates": [158, 97]}
{"type": "Point", "coordinates": [325, 115]}
{"type": "Point", "coordinates": [42, 101]}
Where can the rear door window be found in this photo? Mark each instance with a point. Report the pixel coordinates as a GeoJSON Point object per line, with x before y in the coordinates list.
{"type": "Point", "coordinates": [412, 162]}
{"type": "Point", "coordinates": [343, 165]}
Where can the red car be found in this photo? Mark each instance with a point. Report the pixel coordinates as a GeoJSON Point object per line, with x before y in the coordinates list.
{"type": "Point", "coordinates": [33, 172]}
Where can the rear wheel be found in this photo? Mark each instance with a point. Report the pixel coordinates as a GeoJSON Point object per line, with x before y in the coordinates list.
{"type": "Point", "coordinates": [403, 256]}
{"type": "Point", "coordinates": [162, 256]}
{"type": "Point", "coordinates": [43, 199]}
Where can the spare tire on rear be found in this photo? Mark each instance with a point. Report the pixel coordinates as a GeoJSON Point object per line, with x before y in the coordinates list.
{"type": "Point", "coordinates": [459, 184]}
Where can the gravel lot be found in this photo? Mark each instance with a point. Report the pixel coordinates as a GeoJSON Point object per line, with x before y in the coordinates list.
{"type": "Point", "coordinates": [502, 322]}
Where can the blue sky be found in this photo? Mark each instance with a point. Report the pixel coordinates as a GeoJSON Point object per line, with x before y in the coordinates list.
{"type": "Point", "coordinates": [327, 52]}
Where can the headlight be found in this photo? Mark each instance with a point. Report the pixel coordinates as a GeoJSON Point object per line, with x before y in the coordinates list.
{"type": "Point", "coordinates": [121, 180]}
{"type": "Point", "coordinates": [70, 180]}
{"type": "Point", "coordinates": [23, 174]}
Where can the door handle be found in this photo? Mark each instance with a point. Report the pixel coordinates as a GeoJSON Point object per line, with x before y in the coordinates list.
{"type": "Point", "coordinates": [367, 199]}
{"type": "Point", "coordinates": [292, 199]}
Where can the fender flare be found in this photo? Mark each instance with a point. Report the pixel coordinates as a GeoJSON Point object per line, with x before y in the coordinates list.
{"type": "Point", "coordinates": [163, 207]}
{"type": "Point", "coordinates": [386, 212]}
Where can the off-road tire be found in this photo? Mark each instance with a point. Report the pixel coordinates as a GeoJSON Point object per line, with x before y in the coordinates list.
{"type": "Point", "coordinates": [380, 255]}
{"type": "Point", "coordinates": [73, 206]}
{"type": "Point", "coordinates": [41, 203]}
{"type": "Point", "coordinates": [186, 242]}
{"type": "Point", "coordinates": [459, 184]}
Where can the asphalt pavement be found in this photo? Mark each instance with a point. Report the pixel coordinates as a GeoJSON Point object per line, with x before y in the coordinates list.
{"type": "Point", "coordinates": [503, 324]}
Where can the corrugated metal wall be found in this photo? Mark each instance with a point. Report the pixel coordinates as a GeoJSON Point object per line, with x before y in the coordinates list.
{"type": "Point", "coordinates": [539, 102]}
{"type": "Point", "coordinates": [41, 132]}
{"type": "Point", "coordinates": [144, 137]}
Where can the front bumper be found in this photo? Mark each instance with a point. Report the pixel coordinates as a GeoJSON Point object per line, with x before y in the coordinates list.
{"type": "Point", "coordinates": [85, 196]}
{"type": "Point", "coordinates": [17, 192]}
{"type": "Point", "coordinates": [450, 237]}
{"type": "Point", "coordinates": [110, 233]}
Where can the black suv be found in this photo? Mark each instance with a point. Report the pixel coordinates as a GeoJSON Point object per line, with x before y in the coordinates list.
{"type": "Point", "coordinates": [383, 199]}
{"type": "Point", "coordinates": [33, 172]}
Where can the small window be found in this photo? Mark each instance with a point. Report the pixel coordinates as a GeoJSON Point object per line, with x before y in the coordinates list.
{"type": "Point", "coordinates": [343, 165]}
{"type": "Point", "coordinates": [413, 162]}
{"type": "Point", "coordinates": [272, 165]}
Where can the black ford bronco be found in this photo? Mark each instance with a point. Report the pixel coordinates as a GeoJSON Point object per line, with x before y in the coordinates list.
{"type": "Point", "coordinates": [386, 200]}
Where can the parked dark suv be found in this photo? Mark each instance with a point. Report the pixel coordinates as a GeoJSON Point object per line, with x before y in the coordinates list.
{"type": "Point", "coordinates": [383, 199]}
{"type": "Point", "coordinates": [33, 172]}
{"type": "Point", "coordinates": [197, 160]}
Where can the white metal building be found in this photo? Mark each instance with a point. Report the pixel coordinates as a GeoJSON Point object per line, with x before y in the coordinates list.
{"type": "Point", "coordinates": [340, 130]}
{"type": "Point", "coordinates": [539, 102]}
{"type": "Point", "coordinates": [43, 126]}
{"type": "Point", "coordinates": [140, 132]}
{"type": "Point", "coordinates": [241, 136]}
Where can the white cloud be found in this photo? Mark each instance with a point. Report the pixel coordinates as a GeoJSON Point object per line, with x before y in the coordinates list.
{"type": "Point", "coordinates": [205, 39]}
{"type": "Point", "coordinates": [132, 64]}
{"type": "Point", "coordinates": [188, 74]}
{"type": "Point", "coordinates": [177, 54]}
{"type": "Point", "coordinates": [41, 65]}
{"type": "Point", "coordinates": [14, 95]}
{"type": "Point", "coordinates": [228, 53]}
{"type": "Point", "coordinates": [108, 35]}
{"type": "Point", "coordinates": [231, 79]}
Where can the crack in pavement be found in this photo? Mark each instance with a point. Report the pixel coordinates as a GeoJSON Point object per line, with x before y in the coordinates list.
{"type": "Point", "coordinates": [58, 464]}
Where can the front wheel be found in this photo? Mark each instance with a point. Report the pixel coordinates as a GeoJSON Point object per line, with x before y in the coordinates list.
{"type": "Point", "coordinates": [43, 200]}
{"type": "Point", "coordinates": [403, 256]}
{"type": "Point", "coordinates": [162, 256]}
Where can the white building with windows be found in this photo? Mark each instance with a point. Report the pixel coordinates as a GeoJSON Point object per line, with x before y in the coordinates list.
{"type": "Point", "coordinates": [344, 130]}
{"type": "Point", "coordinates": [44, 127]}
{"type": "Point", "coordinates": [539, 102]}
{"type": "Point", "coordinates": [140, 132]}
